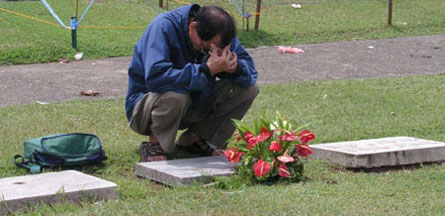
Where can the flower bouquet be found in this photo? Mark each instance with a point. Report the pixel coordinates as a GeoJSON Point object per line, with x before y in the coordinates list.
{"type": "Point", "coordinates": [270, 150]}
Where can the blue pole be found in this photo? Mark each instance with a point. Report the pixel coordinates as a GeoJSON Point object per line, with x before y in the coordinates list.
{"type": "Point", "coordinates": [74, 32]}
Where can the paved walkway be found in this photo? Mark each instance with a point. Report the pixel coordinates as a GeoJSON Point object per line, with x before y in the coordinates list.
{"type": "Point", "coordinates": [425, 55]}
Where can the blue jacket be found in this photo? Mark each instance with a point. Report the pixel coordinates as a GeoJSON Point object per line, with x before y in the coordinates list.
{"type": "Point", "coordinates": [164, 60]}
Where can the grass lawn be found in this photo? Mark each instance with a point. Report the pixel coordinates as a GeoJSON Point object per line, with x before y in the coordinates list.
{"type": "Point", "coordinates": [337, 111]}
{"type": "Point", "coordinates": [26, 41]}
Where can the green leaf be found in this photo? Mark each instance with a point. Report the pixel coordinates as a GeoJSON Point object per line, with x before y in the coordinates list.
{"type": "Point", "coordinates": [242, 148]}
{"type": "Point", "coordinates": [257, 126]}
{"type": "Point", "coordinates": [279, 120]}
{"type": "Point", "coordinates": [242, 127]}
{"type": "Point", "coordinates": [247, 160]}
{"type": "Point", "coordinates": [265, 123]}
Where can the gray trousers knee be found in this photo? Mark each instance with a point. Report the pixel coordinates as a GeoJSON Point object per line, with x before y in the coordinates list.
{"type": "Point", "coordinates": [162, 115]}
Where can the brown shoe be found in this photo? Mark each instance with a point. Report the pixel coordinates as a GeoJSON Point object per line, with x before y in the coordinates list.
{"type": "Point", "coordinates": [152, 151]}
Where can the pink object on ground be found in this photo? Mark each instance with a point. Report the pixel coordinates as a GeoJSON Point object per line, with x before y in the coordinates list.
{"type": "Point", "coordinates": [283, 49]}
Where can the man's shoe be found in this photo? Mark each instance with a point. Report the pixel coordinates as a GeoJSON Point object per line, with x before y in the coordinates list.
{"type": "Point", "coordinates": [152, 151]}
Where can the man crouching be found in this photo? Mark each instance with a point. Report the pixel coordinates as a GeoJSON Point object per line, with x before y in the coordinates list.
{"type": "Point", "coordinates": [189, 71]}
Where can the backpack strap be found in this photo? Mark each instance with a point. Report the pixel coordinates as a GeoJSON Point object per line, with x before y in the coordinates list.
{"type": "Point", "coordinates": [34, 168]}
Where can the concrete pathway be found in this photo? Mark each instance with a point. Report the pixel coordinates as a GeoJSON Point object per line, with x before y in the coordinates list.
{"type": "Point", "coordinates": [425, 55]}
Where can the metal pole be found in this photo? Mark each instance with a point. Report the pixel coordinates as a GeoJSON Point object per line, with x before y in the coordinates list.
{"type": "Point", "coordinates": [389, 12]}
{"type": "Point", "coordinates": [77, 8]}
{"type": "Point", "coordinates": [243, 14]}
{"type": "Point", "coordinates": [161, 3]}
{"type": "Point", "coordinates": [74, 32]}
{"type": "Point", "coordinates": [257, 14]}
{"type": "Point", "coordinates": [74, 28]}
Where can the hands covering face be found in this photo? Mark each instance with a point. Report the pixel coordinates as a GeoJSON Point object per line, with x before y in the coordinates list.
{"type": "Point", "coordinates": [221, 60]}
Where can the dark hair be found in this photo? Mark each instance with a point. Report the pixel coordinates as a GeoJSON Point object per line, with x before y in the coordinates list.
{"type": "Point", "coordinates": [212, 21]}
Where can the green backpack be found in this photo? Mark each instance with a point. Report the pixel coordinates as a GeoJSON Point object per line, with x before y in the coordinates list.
{"type": "Point", "coordinates": [60, 150]}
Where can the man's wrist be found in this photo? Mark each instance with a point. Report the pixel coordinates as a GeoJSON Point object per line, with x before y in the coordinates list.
{"type": "Point", "coordinates": [238, 70]}
{"type": "Point", "coordinates": [212, 70]}
{"type": "Point", "coordinates": [205, 69]}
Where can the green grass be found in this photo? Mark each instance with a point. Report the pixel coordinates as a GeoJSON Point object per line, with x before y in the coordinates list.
{"type": "Point", "coordinates": [337, 111]}
{"type": "Point", "coordinates": [27, 41]}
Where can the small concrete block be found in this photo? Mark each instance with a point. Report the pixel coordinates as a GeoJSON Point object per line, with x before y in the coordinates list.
{"type": "Point", "coordinates": [384, 152]}
{"type": "Point", "coordinates": [185, 171]}
{"type": "Point", "coordinates": [23, 191]}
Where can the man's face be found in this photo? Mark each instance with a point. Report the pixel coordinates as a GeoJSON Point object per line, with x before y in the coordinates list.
{"type": "Point", "coordinates": [215, 40]}
{"type": "Point", "coordinates": [200, 45]}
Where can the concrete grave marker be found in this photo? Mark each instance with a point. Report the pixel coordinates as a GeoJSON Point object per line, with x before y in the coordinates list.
{"type": "Point", "coordinates": [185, 171]}
{"type": "Point", "coordinates": [22, 191]}
{"type": "Point", "coordinates": [391, 151]}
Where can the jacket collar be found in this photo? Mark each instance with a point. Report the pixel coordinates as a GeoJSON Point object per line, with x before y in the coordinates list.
{"type": "Point", "coordinates": [184, 11]}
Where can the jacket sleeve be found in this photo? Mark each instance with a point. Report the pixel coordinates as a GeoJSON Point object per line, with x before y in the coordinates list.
{"type": "Point", "coordinates": [246, 72]}
{"type": "Point", "coordinates": [159, 69]}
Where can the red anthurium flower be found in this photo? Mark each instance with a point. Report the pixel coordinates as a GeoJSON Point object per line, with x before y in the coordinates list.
{"type": "Point", "coordinates": [261, 168]}
{"type": "Point", "coordinates": [288, 137]}
{"type": "Point", "coordinates": [233, 155]}
{"type": "Point", "coordinates": [306, 136]}
{"type": "Point", "coordinates": [304, 150]}
{"type": "Point", "coordinates": [230, 153]}
{"type": "Point", "coordinates": [237, 157]}
{"type": "Point", "coordinates": [253, 141]}
{"type": "Point", "coordinates": [275, 146]}
{"type": "Point", "coordinates": [286, 159]}
{"type": "Point", "coordinates": [265, 134]}
{"type": "Point", "coordinates": [247, 136]}
{"type": "Point", "coordinates": [283, 171]}
{"type": "Point", "coordinates": [238, 138]}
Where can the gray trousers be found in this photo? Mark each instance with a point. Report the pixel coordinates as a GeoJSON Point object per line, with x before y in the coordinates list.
{"type": "Point", "coordinates": [162, 115]}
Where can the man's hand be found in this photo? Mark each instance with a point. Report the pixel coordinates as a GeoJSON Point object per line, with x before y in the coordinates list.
{"type": "Point", "coordinates": [222, 60]}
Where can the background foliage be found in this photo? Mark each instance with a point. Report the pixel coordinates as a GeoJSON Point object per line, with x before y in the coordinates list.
{"type": "Point", "coordinates": [26, 41]}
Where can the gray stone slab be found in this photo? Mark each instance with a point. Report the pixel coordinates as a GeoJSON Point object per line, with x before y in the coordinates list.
{"type": "Point", "coordinates": [384, 152]}
{"type": "Point", "coordinates": [30, 190]}
{"type": "Point", "coordinates": [185, 171]}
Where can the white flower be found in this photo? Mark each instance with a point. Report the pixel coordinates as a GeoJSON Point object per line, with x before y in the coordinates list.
{"type": "Point", "coordinates": [274, 125]}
